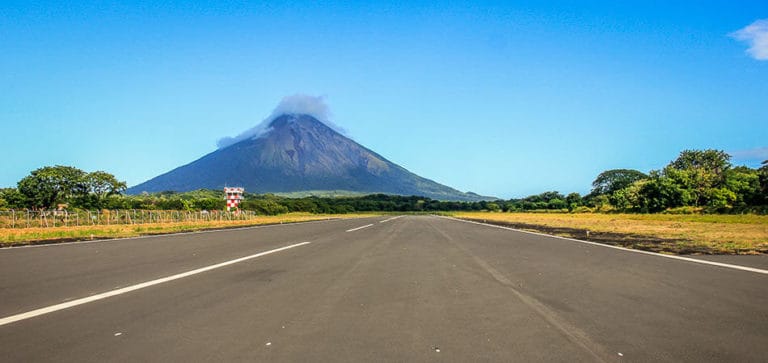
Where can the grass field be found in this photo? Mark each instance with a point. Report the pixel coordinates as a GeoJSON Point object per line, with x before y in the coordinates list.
{"type": "Point", "coordinates": [24, 236]}
{"type": "Point", "coordinates": [678, 234]}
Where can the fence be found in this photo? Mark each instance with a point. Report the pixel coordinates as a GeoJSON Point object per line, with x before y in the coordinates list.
{"type": "Point", "coordinates": [49, 219]}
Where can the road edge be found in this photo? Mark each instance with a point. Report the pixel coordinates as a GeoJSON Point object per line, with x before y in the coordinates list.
{"type": "Point", "coordinates": [681, 258]}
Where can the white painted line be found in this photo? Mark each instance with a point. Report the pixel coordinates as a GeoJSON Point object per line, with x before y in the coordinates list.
{"type": "Point", "coordinates": [104, 295]}
{"type": "Point", "coordinates": [390, 219]}
{"type": "Point", "coordinates": [703, 262]}
{"type": "Point", "coordinates": [358, 228]}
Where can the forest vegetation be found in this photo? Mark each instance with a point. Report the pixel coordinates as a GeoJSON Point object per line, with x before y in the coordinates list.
{"type": "Point", "coordinates": [697, 181]}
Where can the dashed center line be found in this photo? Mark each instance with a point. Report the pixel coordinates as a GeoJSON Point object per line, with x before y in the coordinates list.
{"type": "Point", "coordinates": [390, 219]}
{"type": "Point", "coordinates": [358, 228]}
{"type": "Point", "coordinates": [104, 295]}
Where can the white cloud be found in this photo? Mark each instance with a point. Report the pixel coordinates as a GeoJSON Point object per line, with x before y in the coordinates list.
{"type": "Point", "coordinates": [756, 35]}
{"type": "Point", "coordinates": [756, 154]}
{"type": "Point", "coordinates": [303, 104]}
{"type": "Point", "coordinates": [295, 104]}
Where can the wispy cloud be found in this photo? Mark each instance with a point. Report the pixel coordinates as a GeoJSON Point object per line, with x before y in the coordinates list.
{"type": "Point", "coordinates": [755, 154]}
{"type": "Point", "coordinates": [756, 35]}
{"type": "Point", "coordinates": [314, 106]}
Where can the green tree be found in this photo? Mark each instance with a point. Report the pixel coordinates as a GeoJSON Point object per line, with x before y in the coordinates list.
{"type": "Point", "coordinates": [210, 203]}
{"type": "Point", "coordinates": [659, 193]}
{"type": "Point", "coordinates": [556, 203]}
{"type": "Point", "coordinates": [745, 185]}
{"type": "Point", "coordinates": [98, 187]}
{"type": "Point", "coordinates": [610, 181]}
{"type": "Point", "coordinates": [764, 182]}
{"type": "Point", "coordinates": [600, 202]}
{"type": "Point", "coordinates": [13, 198]}
{"type": "Point", "coordinates": [720, 198]}
{"type": "Point", "coordinates": [47, 186]}
{"type": "Point", "coordinates": [573, 200]}
{"type": "Point", "coordinates": [103, 184]}
{"type": "Point", "coordinates": [698, 171]}
{"type": "Point", "coordinates": [711, 160]}
{"type": "Point", "coordinates": [629, 197]}
{"type": "Point", "coordinates": [267, 207]}
{"type": "Point", "coordinates": [493, 207]}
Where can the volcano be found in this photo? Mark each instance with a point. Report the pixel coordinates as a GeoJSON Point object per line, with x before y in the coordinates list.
{"type": "Point", "coordinates": [298, 153]}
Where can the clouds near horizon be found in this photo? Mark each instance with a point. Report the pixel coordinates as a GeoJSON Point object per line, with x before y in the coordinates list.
{"type": "Point", "coordinates": [754, 154]}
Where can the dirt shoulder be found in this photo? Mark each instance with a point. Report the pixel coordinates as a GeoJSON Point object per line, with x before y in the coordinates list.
{"type": "Point", "coordinates": [14, 237]}
{"type": "Point", "coordinates": [681, 239]}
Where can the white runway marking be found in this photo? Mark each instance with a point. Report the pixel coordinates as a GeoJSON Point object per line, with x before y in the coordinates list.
{"type": "Point", "coordinates": [704, 262]}
{"type": "Point", "coordinates": [85, 300]}
{"type": "Point", "coordinates": [358, 228]}
{"type": "Point", "coordinates": [390, 219]}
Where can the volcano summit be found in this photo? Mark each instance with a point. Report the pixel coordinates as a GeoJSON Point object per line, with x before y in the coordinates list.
{"type": "Point", "coordinates": [298, 153]}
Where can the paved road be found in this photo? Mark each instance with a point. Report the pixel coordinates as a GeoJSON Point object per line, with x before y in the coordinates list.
{"type": "Point", "coordinates": [415, 288]}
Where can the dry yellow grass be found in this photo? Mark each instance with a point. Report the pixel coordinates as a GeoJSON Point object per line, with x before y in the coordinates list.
{"type": "Point", "coordinates": [718, 234]}
{"type": "Point", "coordinates": [22, 236]}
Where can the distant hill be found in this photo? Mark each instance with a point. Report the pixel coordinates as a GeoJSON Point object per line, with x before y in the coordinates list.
{"type": "Point", "coordinates": [299, 155]}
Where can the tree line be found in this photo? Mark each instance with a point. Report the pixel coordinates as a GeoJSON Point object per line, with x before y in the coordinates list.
{"type": "Point", "coordinates": [697, 181]}
{"type": "Point", "coordinates": [53, 186]}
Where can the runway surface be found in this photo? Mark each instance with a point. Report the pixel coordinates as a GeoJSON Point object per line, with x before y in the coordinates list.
{"type": "Point", "coordinates": [412, 288]}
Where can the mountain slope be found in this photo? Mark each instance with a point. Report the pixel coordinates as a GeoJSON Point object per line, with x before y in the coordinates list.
{"type": "Point", "coordinates": [299, 153]}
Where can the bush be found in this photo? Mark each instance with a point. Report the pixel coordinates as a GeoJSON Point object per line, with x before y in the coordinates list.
{"type": "Point", "coordinates": [684, 210]}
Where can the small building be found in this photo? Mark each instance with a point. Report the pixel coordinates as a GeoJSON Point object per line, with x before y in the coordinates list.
{"type": "Point", "coordinates": [234, 197]}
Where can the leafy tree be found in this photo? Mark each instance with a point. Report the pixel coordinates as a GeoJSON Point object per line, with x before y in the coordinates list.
{"type": "Point", "coordinates": [600, 202]}
{"type": "Point", "coordinates": [209, 204]}
{"type": "Point", "coordinates": [720, 198]}
{"type": "Point", "coordinates": [556, 203]}
{"type": "Point", "coordinates": [47, 186]}
{"type": "Point", "coordinates": [493, 207]}
{"type": "Point", "coordinates": [713, 161]}
{"type": "Point", "coordinates": [573, 200]}
{"type": "Point", "coordinates": [629, 197]}
{"type": "Point", "coordinates": [745, 185]}
{"type": "Point", "coordinates": [610, 181]}
{"type": "Point", "coordinates": [659, 193]}
{"type": "Point", "coordinates": [103, 184]}
{"type": "Point", "coordinates": [698, 171]}
{"type": "Point", "coordinates": [267, 207]}
{"type": "Point", "coordinates": [116, 202]}
{"type": "Point", "coordinates": [13, 198]}
{"type": "Point", "coordinates": [97, 187]}
{"type": "Point", "coordinates": [174, 203]}
{"type": "Point", "coordinates": [763, 171]}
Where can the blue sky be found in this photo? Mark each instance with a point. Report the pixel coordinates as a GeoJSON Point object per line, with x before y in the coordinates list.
{"type": "Point", "coordinates": [497, 98]}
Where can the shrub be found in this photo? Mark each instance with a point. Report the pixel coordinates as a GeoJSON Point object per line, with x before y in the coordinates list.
{"type": "Point", "coordinates": [684, 210]}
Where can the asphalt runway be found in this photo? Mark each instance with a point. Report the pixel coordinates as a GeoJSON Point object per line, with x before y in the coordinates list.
{"type": "Point", "coordinates": [408, 289]}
